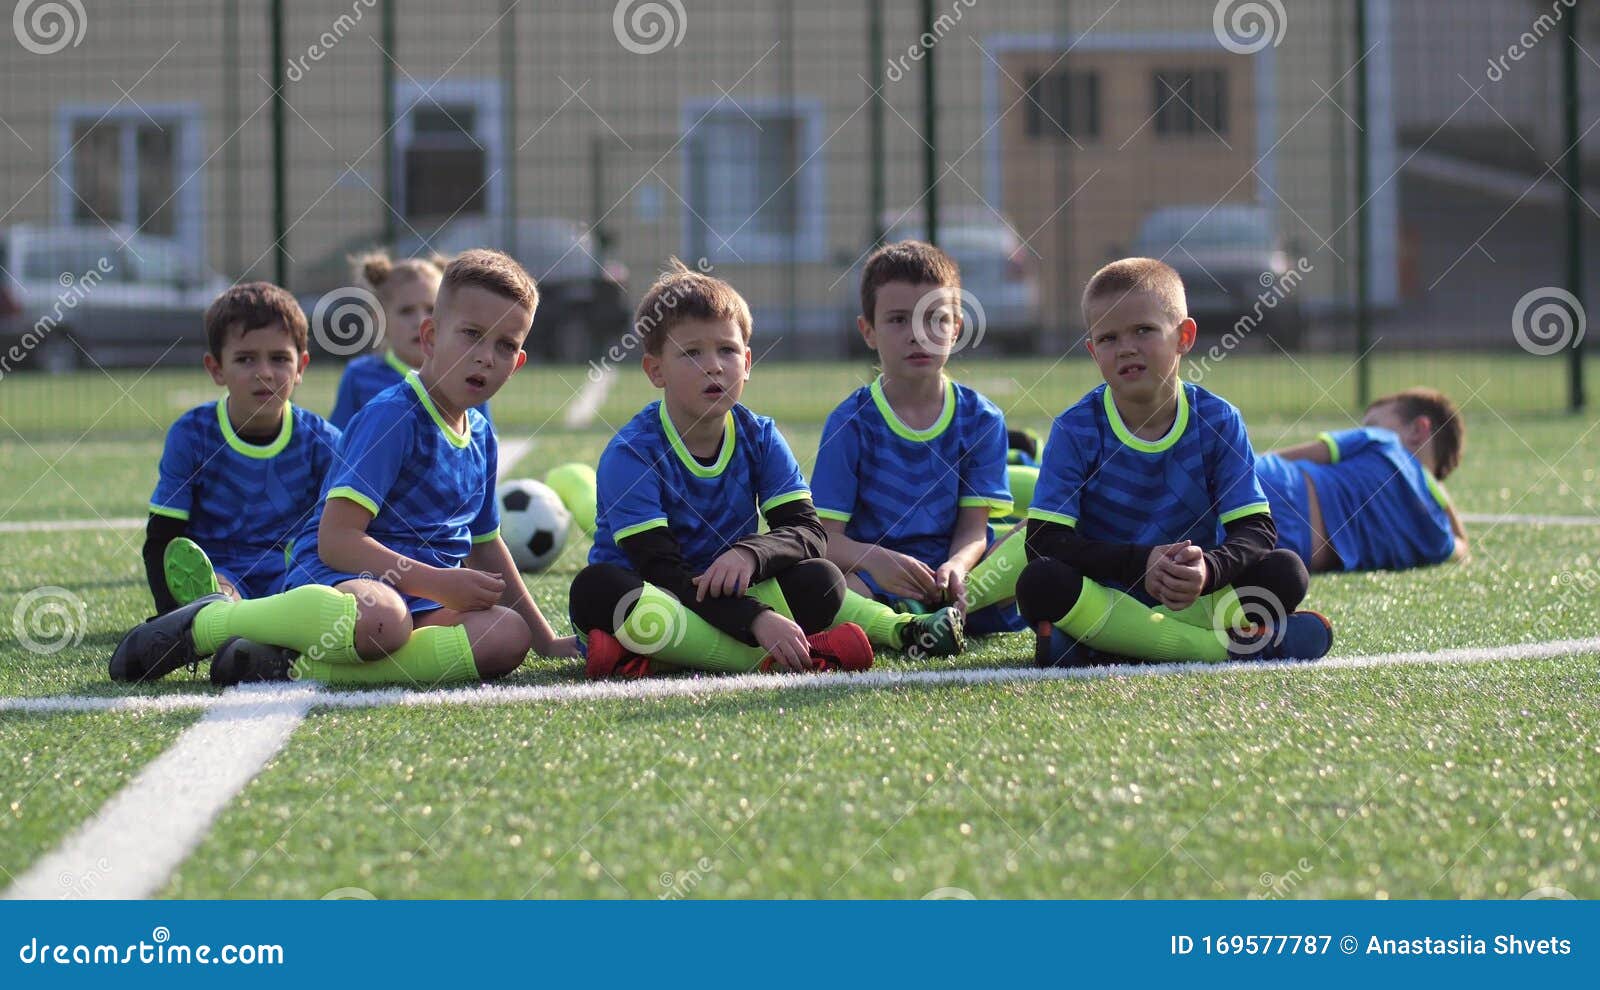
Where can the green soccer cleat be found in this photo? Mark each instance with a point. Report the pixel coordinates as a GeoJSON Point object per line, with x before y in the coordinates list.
{"type": "Point", "coordinates": [188, 571]}
{"type": "Point", "coordinates": [937, 634]}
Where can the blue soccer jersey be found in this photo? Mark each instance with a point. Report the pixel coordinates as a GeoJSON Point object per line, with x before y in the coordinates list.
{"type": "Point", "coordinates": [1381, 507]}
{"type": "Point", "coordinates": [648, 479]}
{"type": "Point", "coordinates": [364, 378]}
{"type": "Point", "coordinates": [901, 488]}
{"type": "Point", "coordinates": [243, 502]}
{"type": "Point", "coordinates": [430, 489]}
{"type": "Point", "coordinates": [1117, 488]}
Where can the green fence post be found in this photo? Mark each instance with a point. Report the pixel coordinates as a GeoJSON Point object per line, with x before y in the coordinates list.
{"type": "Point", "coordinates": [280, 158]}
{"type": "Point", "coordinates": [1573, 167]}
{"type": "Point", "coordinates": [1363, 218]}
{"type": "Point", "coordinates": [877, 184]}
{"type": "Point", "coordinates": [930, 127]}
{"type": "Point", "coordinates": [391, 176]}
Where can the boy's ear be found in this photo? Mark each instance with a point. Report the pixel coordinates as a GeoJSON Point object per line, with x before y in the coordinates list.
{"type": "Point", "coordinates": [426, 334]}
{"type": "Point", "coordinates": [1187, 331]}
{"type": "Point", "coordinates": [522, 359]}
{"type": "Point", "coordinates": [305, 359]}
{"type": "Point", "coordinates": [652, 369]}
{"type": "Point", "coordinates": [868, 332]}
{"type": "Point", "coordinates": [749, 362]}
{"type": "Point", "coordinates": [215, 367]}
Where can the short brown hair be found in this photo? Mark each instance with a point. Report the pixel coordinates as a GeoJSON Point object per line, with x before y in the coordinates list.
{"type": "Point", "coordinates": [253, 306]}
{"type": "Point", "coordinates": [490, 270]}
{"type": "Point", "coordinates": [914, 262]}
{"type": "Point", "coordinates": [1449, 436]}
{"type": "Point", "coordinates": [1139, 275]}
{"type": "Point", "coordinates": [681, 293]}
{"type": "Point", "coordinates": [379, 272]}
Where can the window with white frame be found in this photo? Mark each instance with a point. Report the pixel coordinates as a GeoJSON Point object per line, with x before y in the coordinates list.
{"type": "Point", "coordinates": [132, 167]}
{"type": "Point", "coordinates": [448, 138]}
{"type": "Point", "coordinates": [754, 183]}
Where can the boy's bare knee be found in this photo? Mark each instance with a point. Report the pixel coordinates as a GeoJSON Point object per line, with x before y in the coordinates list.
{"type": "Point", "coordinates": [383, 623]}
{"type": "Point", "coordinates": [500, 644]}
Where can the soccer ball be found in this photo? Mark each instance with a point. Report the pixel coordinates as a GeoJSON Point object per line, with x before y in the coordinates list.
{"type": "Point", "coordinates": [533, 522]}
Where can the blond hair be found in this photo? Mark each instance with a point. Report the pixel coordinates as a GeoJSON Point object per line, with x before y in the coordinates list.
{"type": "Point", "coordinates": [1139, 275]}
{"type": "Point", "coordinates": [493, 271]}
{"type": "Point", "coordinates": [681, 293]}
{"type": "Point", "coordinates": [380, 273]}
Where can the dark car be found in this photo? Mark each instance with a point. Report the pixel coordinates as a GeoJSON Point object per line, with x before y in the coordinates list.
{"type": "Point", "coordinates": [1238, 274]}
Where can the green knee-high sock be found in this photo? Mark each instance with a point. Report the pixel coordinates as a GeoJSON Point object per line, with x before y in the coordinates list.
{"type": "Point", "coordinates": [660, 627]}
{"type": "Point", "coordinates": [1219, 610]}
{"type": "Point", "coordinates": [882, 623]}
{"type": "Point", "coordinates": [433, 655]}
{"type": "Point", "coordinates": [1110, 620]}
{"type": "Point", "coordinates": [313, 619]}
{"type": "Point", "coordinates": [994, 580]}
{"type": "Point", "coordinates": [1022, 480]}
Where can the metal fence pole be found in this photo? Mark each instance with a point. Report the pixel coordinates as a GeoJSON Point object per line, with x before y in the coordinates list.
{"type": "Point", "coordinates": [878, 194]}
{"type": "Point", "coordinates": [280, 158]}
{"type": "Point", "coordinates": [391, 177]}
{"type": "Point", "coordinates": [508, 72]}
{"type": "Point", "coordinates": [930, 127]}
{"type": "Point", "coordinates": [1573, 167]}
{"type": "Point", "coordinates": [1363, 218]}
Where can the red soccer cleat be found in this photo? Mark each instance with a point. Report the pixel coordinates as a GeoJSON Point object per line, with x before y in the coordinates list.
{"type": "Point", "coordinates": [609, 658]}
{"type": "Point", "coordinates": [844, 647]}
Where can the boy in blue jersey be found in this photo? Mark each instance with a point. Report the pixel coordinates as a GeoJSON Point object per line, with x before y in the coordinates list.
{"type": "Point", "coordinates": [400, 575]}
{"type": "Point", "coordinates": [1369, 498]}
{"type": "Point", "coordinates": [1149, 537]}
{"type": "Point", "coordinates": [238, 476]}
{"type": "Point", "coordinates": [911, 467]}
{"type": "Point", "coordinates": [680, 577]}
{"type": "Point", "coordinates": [406, 291]}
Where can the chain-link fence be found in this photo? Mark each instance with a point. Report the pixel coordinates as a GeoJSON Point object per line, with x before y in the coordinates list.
{"type": "Point", "coordinates": [1360, 195]}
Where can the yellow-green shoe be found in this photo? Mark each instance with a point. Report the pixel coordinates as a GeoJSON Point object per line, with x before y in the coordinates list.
{"type": "Point", "coordinates": [188, 571]}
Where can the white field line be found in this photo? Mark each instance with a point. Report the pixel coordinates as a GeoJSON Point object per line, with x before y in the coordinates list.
{"type": "Point", "coordinates": [687, 687]}
{"type": "Point", "coordinates": [511, 451]}
{"type": "Point", "coordinates": [1490, 518]}
{"type": "Point", "coordinates": [136, 840]}
{"type": "Point", "coordinates": [586, 406]}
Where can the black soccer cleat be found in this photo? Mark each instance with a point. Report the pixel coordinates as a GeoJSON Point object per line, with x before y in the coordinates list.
{"type": "Point", "coordinates": [160, 646]}
{"type": "Point", "coordinates": [242, 661]}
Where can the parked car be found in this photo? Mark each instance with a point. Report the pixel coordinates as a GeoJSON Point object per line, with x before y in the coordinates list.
{"type": "Point", "coordinates": [1231, 260]}
{"type": "Point", "coordinates": [584, 306]}
{"type": "Point", "coordinates": [71, 297]}
{"type": "Point", "coordinates": [997, 269]}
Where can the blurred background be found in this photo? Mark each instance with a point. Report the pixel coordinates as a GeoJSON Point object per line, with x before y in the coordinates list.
{"type": "Point", "coordinates": [1359, 194]}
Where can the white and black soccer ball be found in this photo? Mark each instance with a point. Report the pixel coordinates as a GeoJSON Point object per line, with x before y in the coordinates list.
{"type": "Point", "coordinates": [533, 522]}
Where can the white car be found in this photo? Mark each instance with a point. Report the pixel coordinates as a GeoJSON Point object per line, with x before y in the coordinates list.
{"type": "Point", "coordinates": [74, 297]}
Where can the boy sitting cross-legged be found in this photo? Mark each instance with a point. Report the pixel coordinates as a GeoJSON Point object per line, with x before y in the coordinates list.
{"type": "Point", "coordinates": [911, 467]}
{"type": "Point", "coordinates": [400, 575]}
{"type": "Point", "coordinates": [1150, 536]}
{"type": "Point", "coordinates": [679, 575]}
{"type": "Point", "coordinates": [238, 476]}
